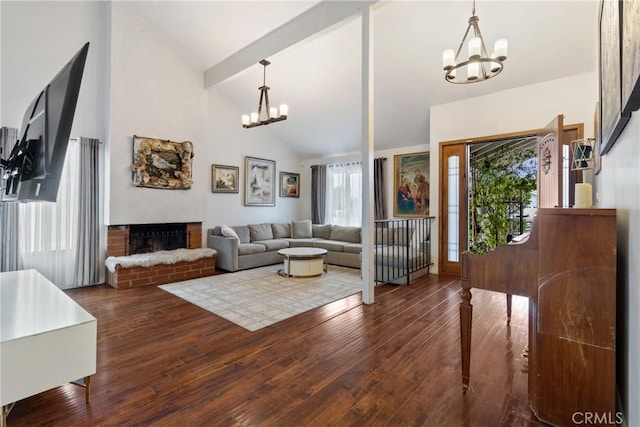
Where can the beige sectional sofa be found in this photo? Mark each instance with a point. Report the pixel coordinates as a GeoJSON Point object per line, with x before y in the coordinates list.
{"type": "Point", "coordinates": [255, 245]}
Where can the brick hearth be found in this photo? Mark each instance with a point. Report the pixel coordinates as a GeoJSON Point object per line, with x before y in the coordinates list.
{"type": "Point", "coordinates": [117, 245]}
{"type": "Point", "coordinates": [132, 277]}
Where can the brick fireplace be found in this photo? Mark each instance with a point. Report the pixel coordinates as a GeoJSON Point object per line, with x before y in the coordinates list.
{"type": "Point", "coordinates": [151, 237]}
{"type": "Point", "coordinates": [123, 240]}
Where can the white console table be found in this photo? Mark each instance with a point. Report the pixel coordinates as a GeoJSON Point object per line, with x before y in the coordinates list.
{"type": "Point", "coordinates": [46, 339]}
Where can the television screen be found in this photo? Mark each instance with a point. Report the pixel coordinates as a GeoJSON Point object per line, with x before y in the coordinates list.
{"type": "Point", "coordinates": [33, 170]}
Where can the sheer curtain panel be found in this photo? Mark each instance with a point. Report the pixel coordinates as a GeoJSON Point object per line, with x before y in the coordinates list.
{"type": "Point", "coordinates": [49, 231]}
{"type": "Point", "coordinates": [344, 194]}
{"type": "Point", "coordinates": [8, 211]}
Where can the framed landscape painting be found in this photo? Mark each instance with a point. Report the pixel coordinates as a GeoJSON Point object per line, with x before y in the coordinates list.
{"type": "Point", "coordinates": [411, 184]}
{"type": "Point", "coordinates": [289, 184]}
{"type": "Point", "coordinates": [259, 182]}
{"type": "Point", "coordinates": [225, 179]}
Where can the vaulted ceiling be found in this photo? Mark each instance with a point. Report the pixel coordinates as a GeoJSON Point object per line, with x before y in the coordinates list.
{"type": "Point", "coordinates": [320, 77]}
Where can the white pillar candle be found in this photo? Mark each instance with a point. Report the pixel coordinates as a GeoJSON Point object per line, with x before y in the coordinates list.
{"type": "Point", "coordinates": [473, 70]}
{"type": "Point", "coordinates": [448, 59]}
{"type": "Point", "coordinates": [284, 110]}
{"type": "Point", "coordinates": [475, 46]}
{"type": "Point", "coordinates": [254, 117]}
{"type": "Point", "coordinates": [245, 119]}
{"type": "Point", "coordinates": [273, 113]}
{"type": "Point", "coordinates": [500, 49]}
{"type": "Point", "coordinates": [583, 196]}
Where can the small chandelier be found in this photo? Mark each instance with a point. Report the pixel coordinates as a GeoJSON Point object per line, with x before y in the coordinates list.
{"type": "Point", "coordinates": [272, 114]}
{"type": "Point", "coordinates": [479, 65]}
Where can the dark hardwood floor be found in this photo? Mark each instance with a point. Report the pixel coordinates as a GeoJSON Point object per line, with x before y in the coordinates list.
{"type": "Point", "coordinates": [163, 361]}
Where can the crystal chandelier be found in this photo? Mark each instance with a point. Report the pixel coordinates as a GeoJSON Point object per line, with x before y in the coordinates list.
{"type": "Point", "coordinates": [272, 114]}
{"type": "Point", "coordinates": [479, 65]}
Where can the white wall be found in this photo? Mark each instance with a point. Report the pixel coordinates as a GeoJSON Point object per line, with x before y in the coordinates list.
{"type": "Point", "coordinates": [228, 144]}
{"type": "Point", "coordinates": [37, 40]}
{"type": "Point", "coordinates": [521, 109]}
{"type": "Point", "coordinates": [618, 186]}
{"type": "Point", "coordinates": [155, 92]}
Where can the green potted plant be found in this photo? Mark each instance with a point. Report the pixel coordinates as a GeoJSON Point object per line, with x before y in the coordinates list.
{"type": "Point", "coordinates": [502, 178]}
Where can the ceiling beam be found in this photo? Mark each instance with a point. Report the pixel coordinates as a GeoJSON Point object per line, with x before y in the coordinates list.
{"type": "Point", "coordinates": [318, 18]}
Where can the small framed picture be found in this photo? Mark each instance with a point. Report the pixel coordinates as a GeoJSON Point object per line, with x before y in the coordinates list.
{"type": "Point", "coordinates": [225, 179]}
{"type": "Point", "coordinates": [289, 184]}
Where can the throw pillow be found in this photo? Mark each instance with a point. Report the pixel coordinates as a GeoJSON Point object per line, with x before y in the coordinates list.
{"type": "Point", "coordinates": [345, 233]}
{"type": "Point", "coordinates": [228, 231]}
{"type": "Point", "coordinates": [301, 229]}
{"type": "Point", "coordinates": [281, 231]}
{"type": "Point", "coordinates": [322, 231]}
{"type": "Point", "coordinates": [258, 232]}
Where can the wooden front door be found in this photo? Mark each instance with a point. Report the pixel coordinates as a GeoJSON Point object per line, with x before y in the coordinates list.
{"type": "Point", "coordinates": [453, 207]}
{"type": "Point", "coordinates": [453, 210]}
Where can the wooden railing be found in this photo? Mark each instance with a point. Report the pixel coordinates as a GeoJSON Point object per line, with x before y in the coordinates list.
{"type": "Point", "coordinates": [401, 247]}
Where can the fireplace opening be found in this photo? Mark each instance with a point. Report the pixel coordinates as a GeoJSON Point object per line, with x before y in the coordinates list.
{"type": "Point", "coordinates": [145, 238]}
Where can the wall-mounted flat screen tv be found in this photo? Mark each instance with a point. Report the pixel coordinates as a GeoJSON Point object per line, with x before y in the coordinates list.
{"type": "Point", "coordinates": [33, 169]}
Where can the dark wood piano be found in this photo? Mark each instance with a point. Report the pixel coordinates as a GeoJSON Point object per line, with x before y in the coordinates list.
{"type": "Point", "coordinates": [567, 269]}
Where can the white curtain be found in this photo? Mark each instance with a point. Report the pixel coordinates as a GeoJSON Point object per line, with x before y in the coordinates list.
{"type": "Point", "coordinates": [344, 194]}
{"type": "Point", "coordinates": [49, 231]}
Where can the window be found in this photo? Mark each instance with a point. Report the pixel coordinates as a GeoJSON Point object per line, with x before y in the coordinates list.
{"type": "Point", "coordinates": [48, 231]}
{"type": "Point", "coordinates": [344, 194]}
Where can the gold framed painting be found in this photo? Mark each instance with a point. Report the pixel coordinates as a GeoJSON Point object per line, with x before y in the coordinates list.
{"type": "Point", "coordinates": [225, 179]}
{"type": "Point", "coordinates": [289, 184]}
{"type": "Point", "coordinates": [411, 184]}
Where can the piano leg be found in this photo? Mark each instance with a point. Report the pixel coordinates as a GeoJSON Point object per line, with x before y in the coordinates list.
{"type": "Point", "coordinates": [509, 298]}
{"type": "Point", "coordinates": [466, 314]}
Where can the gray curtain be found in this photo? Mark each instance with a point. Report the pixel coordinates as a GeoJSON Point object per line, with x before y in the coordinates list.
{"type": "Point", "coordinates": [378, 188]}
{"type": "Point", "coordinates": [87, 270]}
{"type": "Point", "coordinates": [8, 211]}
{"type": "Point", "coordinates": [318, 193]}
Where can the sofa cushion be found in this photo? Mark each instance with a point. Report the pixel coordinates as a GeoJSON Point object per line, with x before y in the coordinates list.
{"type": "Point", "coordinates": [243, 233]}
{"type": "Point", "coordinates": [260, 232]}
{"type": "Point", "coordinates": [330, 245]}
{"type": "Point", "coordinates": [281, 231]}
{"type": "Point", "coordinates": [322, 231]}
{"type": "Point", "coordinates": [402, 236]}
{"type": "Point", "coordinates": [227, 231]}
{"type": "Point", "coordinates": [301, 229]}
{"type": "Point", "coordinates": [384, 236]}
{"type": "Point", "coordinates": [345, 233]}
{"type": "Point", "coordinates": [250, 248]}
{"type": "Point", "coordinates": [352, 248]}
{"type": "Point", "coordinates": [301, 243]}
{"type": "Point", "coordinates": [274, 244]}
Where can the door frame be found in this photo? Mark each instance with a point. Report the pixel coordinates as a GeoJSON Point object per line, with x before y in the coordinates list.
{"type": "Point", "coordinates": [445, 268]}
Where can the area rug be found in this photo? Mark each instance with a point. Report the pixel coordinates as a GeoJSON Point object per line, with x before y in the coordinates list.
{"type": "Point", "coordinates": [259, 297]}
